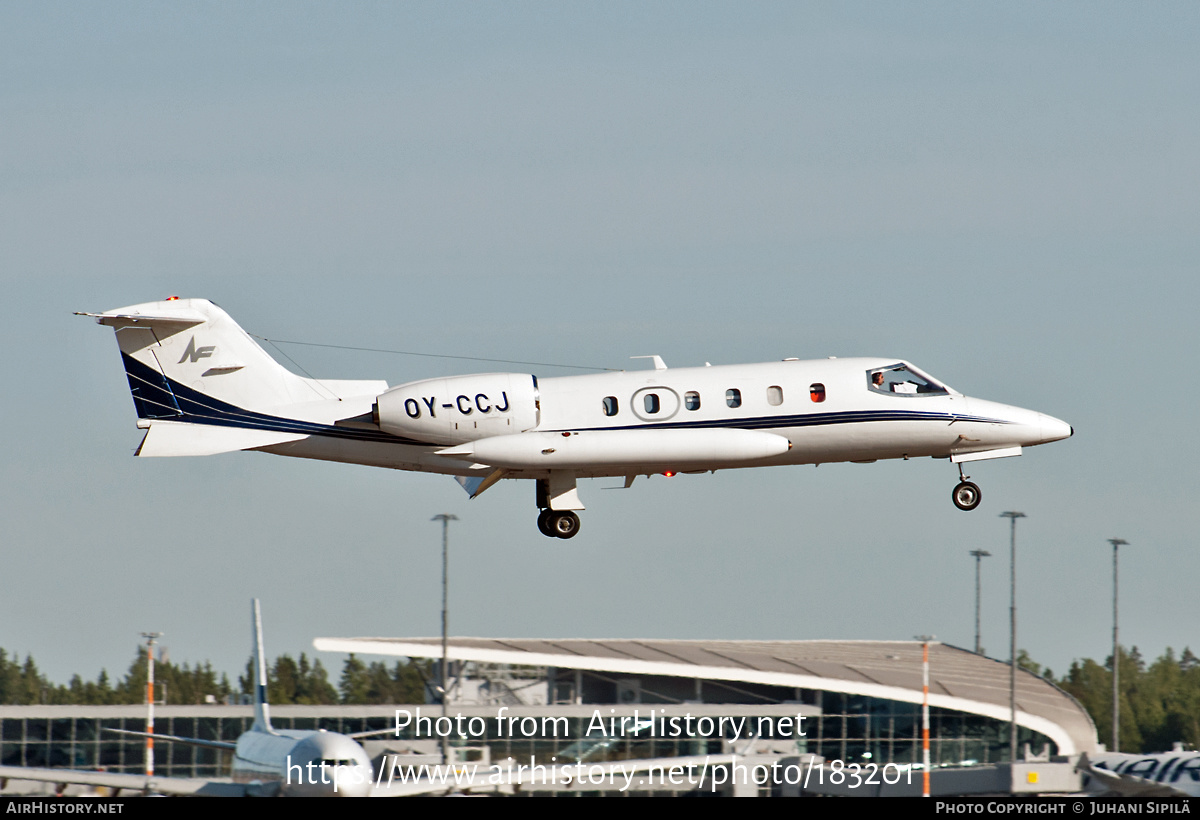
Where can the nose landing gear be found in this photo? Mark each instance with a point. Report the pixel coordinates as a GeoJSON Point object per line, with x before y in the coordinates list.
{"type": "Point", "coordinates": [967, 494]}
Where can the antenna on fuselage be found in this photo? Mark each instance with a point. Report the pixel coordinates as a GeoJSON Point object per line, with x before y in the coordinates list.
{"type": "Point", "coordinates": [262, 710]}
{"type": "Point", "coordinates": [659, 364]}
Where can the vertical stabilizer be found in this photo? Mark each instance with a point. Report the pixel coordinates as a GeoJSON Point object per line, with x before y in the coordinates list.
{"type": "Point", "coordinates": [262, 710]}
{"type": "Point", "coordinates": [187, 360]}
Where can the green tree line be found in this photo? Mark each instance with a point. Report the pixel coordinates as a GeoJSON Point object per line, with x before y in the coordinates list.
{"type": "Point", "coordinates": [289, 681]}
{"type": "Point", "coordinates": [1159, 703]}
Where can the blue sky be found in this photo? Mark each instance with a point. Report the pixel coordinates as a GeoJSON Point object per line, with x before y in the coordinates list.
{"type": "Point", "coordinates": [1005, 195]}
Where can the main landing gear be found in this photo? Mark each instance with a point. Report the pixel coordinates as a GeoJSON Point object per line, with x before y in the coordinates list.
{"type": "Point", "coordinates": [556, 498]}
{"type": "Point", "coordinates": [558, 523]}
{"type": "Point", "coordinates": [967, 494]}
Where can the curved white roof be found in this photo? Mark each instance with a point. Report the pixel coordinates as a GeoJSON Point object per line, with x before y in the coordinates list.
{"type": "Point", "coordinates": [958, 679]}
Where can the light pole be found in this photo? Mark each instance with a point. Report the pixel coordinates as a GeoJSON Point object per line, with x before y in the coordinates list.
{"type": "Point", "coordinates": [445, 518]}
{"type": "Point", "coordinates": [979, 556]}
{"type": "Point", "coordinates": [925, 639]}
{"type": "Point", "coordinates": [150, 637]}
{"type": "Point", "coordinates": [1116, 712]}
{"type": "Point", "coordinates": [1012, 626]}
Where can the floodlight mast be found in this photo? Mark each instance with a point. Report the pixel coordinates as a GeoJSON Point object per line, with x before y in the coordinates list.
{"type": "Point", "coordinates": [1116, 662]}
{"type": "Point", "coordinates": [1012, 648]}
{"type": "Point", "coordinates": [979, 555]}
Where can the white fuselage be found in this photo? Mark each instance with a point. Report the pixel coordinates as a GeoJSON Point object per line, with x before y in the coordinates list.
{"type": "Point", "coordinates": [850, 421]}
{"type": "Point", "coordinates": [302, 763]}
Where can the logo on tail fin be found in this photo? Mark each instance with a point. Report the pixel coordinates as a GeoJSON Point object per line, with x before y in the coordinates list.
{"type": "Point", "coordinates": [194, 354]}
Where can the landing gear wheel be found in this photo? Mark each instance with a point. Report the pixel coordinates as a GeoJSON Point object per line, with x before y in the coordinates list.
{"type": "Point", "coordinates": [967, 495]}
{"type": "Point", "coordinates": [564, 524]}
{"type": "Point", "coordinates": [544, 523]}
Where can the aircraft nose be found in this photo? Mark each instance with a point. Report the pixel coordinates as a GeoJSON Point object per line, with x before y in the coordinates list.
{"type": "Point", "coordinates": [1054, 429]}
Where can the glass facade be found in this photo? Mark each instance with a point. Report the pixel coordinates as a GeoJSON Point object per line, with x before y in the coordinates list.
{"type": "Point", "coordinates": [861, 729]}
{"type": "Point", "coordinates": [851, 728]}
{"type": "Point", "coordinates": [837, 726]}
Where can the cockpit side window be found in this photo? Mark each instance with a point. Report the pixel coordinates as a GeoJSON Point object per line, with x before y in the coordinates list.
{"type": "Point", "coordinates": [902, 380]}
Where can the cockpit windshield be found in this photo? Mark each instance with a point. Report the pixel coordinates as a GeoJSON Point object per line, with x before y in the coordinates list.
{"type": "Point", "coordinates": [903, 380]}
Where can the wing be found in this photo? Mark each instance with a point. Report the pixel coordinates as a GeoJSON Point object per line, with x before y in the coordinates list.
{"type": "Point", "coordinates": [191, 741]}
{"type": "Point", "coordinates": [125, 782]}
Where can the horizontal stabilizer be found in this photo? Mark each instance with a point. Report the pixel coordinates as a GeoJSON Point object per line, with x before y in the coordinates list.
{"type": "Point", "coordinates": [115, 318]}
{"type": "Point", "coordinates": [172, 438]}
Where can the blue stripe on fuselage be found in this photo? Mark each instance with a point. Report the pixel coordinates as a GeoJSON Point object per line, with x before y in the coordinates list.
{"type": "Point", "coordinates": [797, 420]}
{"type": "Point", "coordinates": [158, 398]}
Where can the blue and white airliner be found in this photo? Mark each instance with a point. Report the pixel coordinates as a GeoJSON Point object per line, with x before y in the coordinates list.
{"type": "Point", "coordinates": [267, 762]}
{"type": "Point", "coordinates": [202, 385]}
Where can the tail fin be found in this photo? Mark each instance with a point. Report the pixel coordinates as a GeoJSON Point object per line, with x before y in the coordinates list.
{"type": "Point", "coordinates": [262, 709]}
{"type": "Point", "coordinates": [183, 351]}
{"type": "Point", "coordinates": [188, 361]}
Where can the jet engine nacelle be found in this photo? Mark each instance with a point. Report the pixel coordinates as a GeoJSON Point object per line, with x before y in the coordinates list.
{"type": "Point", "coordinates": [460, 408]}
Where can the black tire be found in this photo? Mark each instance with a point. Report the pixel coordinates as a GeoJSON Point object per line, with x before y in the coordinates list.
{"type": "Point", "coordinates": [544, 524]}
{"type": "Point", "coordinates": [565, 524]}
{"type": "Point", "coordinates": [967, 495]}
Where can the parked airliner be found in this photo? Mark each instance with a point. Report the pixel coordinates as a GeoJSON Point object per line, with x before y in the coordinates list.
{"type": "Point", "coordinates": [267, 762]}
{"type": "Point", "coordinates": [202, 385]}
{"type": "Point", "coordinates": [1166, 774]}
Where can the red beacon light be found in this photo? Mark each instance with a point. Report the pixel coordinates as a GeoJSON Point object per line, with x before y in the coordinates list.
{"type": "Point", "coordinates": [669, 473]}
{"type": "Point", "coordinates": [172, 298]}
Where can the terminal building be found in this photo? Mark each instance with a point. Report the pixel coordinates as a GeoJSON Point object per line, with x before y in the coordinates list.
{"type": "Point", "coordinates": [622, 700]}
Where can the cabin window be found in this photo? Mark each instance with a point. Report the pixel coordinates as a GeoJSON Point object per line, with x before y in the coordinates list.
{"type": "Point", "coordinates": [610, 405]}
{"type": "Point", "coordinates": [651, 401]}
{"type": "Point", "coordinates": [774, 395]}
{"type": "Point", "coordinates": [816, 392]}
{"type": "Point", "coordinates": [733, 397]}
{"type": "Point", "coordinates": [902, 380]}
{"type": "Point", "coordinates": [691, 400]}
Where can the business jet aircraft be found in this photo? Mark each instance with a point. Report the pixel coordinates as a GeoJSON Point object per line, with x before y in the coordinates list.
{"type": "Point", "coordinates": [202, 385]}
{"type": "Point", "coordinates": [1167, 774]}
{"type": "Point", "coordinates": [267, 762]}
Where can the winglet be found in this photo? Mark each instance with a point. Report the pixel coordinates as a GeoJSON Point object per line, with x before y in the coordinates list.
{"type": "Point", "coordinates": [262, 710]}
